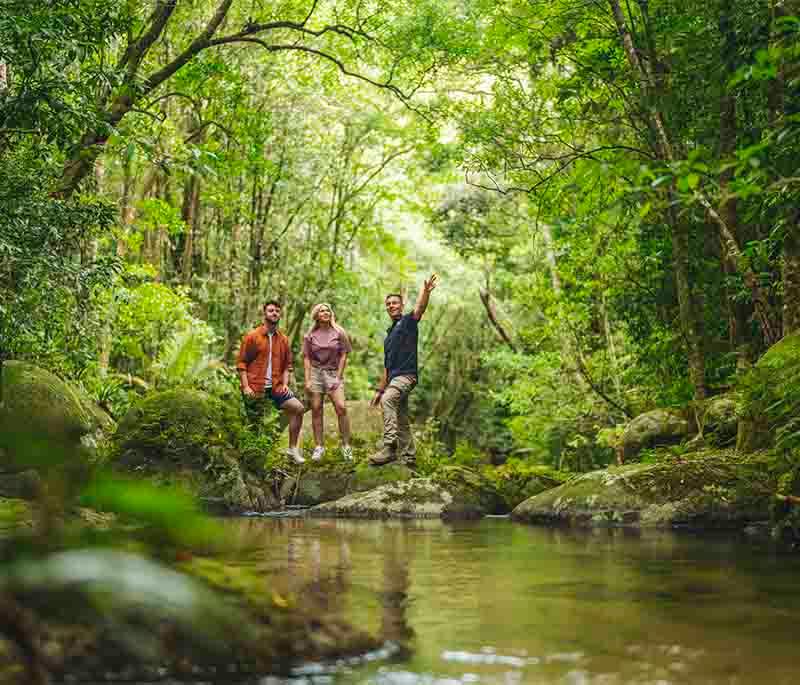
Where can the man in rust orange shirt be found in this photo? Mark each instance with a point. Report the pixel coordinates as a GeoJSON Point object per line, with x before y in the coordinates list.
{"type": "Point", "coordinates": [264, 362]}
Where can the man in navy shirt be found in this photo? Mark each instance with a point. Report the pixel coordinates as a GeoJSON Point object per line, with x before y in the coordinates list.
{"type": "Point", "coordinates": [399, 376]}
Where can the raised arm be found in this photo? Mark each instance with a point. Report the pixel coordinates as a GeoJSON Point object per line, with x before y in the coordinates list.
{"type": "Point", "coordinates": [424, 296]}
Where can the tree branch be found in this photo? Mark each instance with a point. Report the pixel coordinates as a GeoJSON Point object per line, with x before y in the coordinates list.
{"type": "Point", "coordinates": [201, 42]}
{"type": "Point", "coordinates": [491, 312]}
{"type": "Point", "coordinates": [312, 51]}
{"type": "Point", "coordinates": [137, 50]}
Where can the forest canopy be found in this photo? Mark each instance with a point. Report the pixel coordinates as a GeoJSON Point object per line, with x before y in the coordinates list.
{"type": "Point", "coordinates": [609, 189]}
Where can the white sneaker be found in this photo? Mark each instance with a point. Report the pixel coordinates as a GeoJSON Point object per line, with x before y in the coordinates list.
{"type": "Point", "coordinates": [317, 454]}
{"type": "Point", "coordinates": [296, 454]}
{"type": "Point", "coordinates": [347, 452]}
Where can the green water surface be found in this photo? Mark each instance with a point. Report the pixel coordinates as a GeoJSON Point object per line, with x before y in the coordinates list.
{"type": "Point", "coordinates": [503, 603]}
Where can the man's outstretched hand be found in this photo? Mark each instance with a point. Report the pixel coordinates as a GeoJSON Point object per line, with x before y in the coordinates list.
{"type": "Point", "coordinates": [431, 283]}
{"type": "Point", "coordinates": [424, 296]}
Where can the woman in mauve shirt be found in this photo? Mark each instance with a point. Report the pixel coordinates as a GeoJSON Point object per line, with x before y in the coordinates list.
{"type": "Point", "coordinates": [325, 350]}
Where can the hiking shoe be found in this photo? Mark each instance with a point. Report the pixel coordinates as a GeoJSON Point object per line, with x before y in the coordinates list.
{"type": "Point", "coordinates": [317, 454]}
{"type": "Point", "coordinates": [347, 452]}
{"type": "Point", "coordinates": [296, 455]}
{"type": "Point", "coordinates": [383, 457]}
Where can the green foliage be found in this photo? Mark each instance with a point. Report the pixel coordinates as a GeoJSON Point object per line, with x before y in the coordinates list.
{"type": "Point", "coordinates": [517, 479]}
{"type": "Point", "coordinates": [431, 452]}
{"type": "Point", "coordinates": [155, 335]}
{"type": "Point", "coordinates": [259, 446]}
{"type": "Point", "coordinates": [45, 285]}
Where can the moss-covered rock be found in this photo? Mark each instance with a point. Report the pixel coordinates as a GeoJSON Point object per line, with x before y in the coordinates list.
{"type": "Point", "coordinates": [331, 479]}
{"type": "Point", "coordinates": [317, 483]}
{"type": "Point", "coordinates": [208, 621]}
{"type": "Point", "coordinates": [366, 477]}
{"type": "Point", "coordinates": [653, 429]}
{"type": "Point", "coordinates": [45, 420]}
{"type": "Point", "coordinates": [719, 420]}
{"type": "Point", "coordinates": [471, 491]}
{"type": "Point", "coordinates": [770, 406]}
{"type": "Point", "coordinates": [705, 490]}
{"type": "Point", "coordinates": [453, 493]}
{"type": "Point", "coordinates": [188, 437]}
{"type": "Point", "coordinates": [416, 498]}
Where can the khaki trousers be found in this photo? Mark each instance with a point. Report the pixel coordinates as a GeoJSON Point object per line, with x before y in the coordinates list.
{"type": "Point", "coordinates": [397, 438]}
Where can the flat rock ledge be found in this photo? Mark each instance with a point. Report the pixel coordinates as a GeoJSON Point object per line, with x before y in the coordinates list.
{"type": "Point", "coordinates": [418, 498]}
{"type": "Point", "coordinates": [703, 492]}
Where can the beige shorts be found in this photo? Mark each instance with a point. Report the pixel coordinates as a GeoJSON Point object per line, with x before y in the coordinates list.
{"type": "Point", "coordinates": [324, 381]}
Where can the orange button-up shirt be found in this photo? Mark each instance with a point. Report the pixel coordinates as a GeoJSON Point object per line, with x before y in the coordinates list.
{"type": "Point", "coordinates": [254, 359]}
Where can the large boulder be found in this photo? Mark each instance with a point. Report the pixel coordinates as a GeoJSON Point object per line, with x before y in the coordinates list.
{"type": "Point", "coordinates": [653, 429]}
{"type": "Point", "coordinates": [188, 437]}
{"type": "Point", "coordinates": [770, 405]}
{"type": "Point", "coordinates": [452, 493]}
{"type": "Point", "coordinates": [719, 420]}
{"type": "Point", "coordinates": [44, 420]}
{"type": "Point", "coordinates": [329, 480]}
{"type": "Point", "coordinates": [708, 490]}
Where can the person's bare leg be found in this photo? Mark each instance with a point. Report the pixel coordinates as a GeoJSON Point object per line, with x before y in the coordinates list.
{"type": "Point", "coordinates": [340, 407]}
{"type": "Point", "coordinates": [317, 417]}
{"type": "Point", "coordinates": [294, 410]}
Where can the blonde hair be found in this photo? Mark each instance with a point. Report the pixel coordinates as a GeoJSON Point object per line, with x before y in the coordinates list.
{"type": "Point", "coordinates": [315, 319]}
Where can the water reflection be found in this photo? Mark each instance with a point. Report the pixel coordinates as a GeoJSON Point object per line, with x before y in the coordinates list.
{"type": "Point", "coordinates": [494, 602]}
{"type": "Point", "coordinates": [394, 596]}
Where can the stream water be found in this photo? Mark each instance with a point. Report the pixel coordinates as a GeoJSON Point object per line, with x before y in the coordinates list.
{"type": "Point", "coordinates": [500, 603]}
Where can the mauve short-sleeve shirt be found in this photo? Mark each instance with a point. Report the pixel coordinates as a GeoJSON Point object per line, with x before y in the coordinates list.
{"type": "Point", "coordinates": [325, 347]}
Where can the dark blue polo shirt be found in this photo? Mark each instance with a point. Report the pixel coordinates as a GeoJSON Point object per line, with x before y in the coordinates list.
{"type": "Point", "coordinates": [400, 347]}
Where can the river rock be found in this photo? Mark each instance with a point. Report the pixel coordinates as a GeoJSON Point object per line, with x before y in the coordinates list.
{"type": "Point", "coordinates": [328, 480]}
{"type": "Point", "coordinates": [189, 437]}
{"type": "Point", "coordinates": [652, 429]}
{"type": "Point", "coordinates": [45, 421]}
{"type": "Point", "coordinates": [719, 420]}
{"type": "Point", "coordinates": [453, 493]}
{"type": "Point", "coordinates": [705, 491]}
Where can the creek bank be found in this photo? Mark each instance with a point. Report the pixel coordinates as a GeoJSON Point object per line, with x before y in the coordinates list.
{"type": "Point", "coordinates": [704, 490]}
